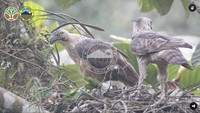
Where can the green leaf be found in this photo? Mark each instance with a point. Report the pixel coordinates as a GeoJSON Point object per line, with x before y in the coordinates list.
{"type": "Point", "coordinates": [146, 5]}
{"type": "Point", "coordinates": [124, 47]}
{"type": "Point", "coordinates": [152, 73]}
{"type": "Point", "coordinates": [34, 6]}
{"type": "Point", "coordinates": [173, 71]}
{"type": "Point", "coordinates": [162, 6]}
{"type": "Point", "coordinates": [196, 56]}
{"type": "Point", "coordinates": [190, 78]}
{"type": "Point", "coordinates": [75, 74]}
{"type": "Point", "coordinates": [185, 4]}
{"type": "Point", "coordinates": [66, 3]}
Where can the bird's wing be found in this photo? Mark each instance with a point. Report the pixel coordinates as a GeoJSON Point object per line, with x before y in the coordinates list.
{"type": "Point", "coordinates": [150, 42]}
{"type": "Point", "coordinates": [108, 57]}
{"type": "Point", "coordinates": [126, 72]}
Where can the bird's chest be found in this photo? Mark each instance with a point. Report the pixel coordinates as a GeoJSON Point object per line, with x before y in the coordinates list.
{"type": "Point", "coordinates": [72, 53]}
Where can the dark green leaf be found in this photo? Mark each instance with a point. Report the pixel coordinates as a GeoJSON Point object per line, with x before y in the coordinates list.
{"type": "Point", "coordinates": [146, 5]}
{"type": "Point", "coordinates": [196, 56]}
{"type": "Point", "coordinates": [162, 6]}
{"type": "Point", "coordinates": [66, 3]}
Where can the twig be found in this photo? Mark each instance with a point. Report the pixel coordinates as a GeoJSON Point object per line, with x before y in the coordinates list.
{"type": "Point", "coordinates": [97, 99]}
{"type": "Point", "coordinates": [11, 55]}
{"type": "Point", "coordinates": [94, 27]}
{"type": "Point", "coordinates": [123, 103]}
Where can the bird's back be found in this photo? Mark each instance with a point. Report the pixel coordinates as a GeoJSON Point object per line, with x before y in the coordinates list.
{"type": "Point", "coordinates": [151, 42]}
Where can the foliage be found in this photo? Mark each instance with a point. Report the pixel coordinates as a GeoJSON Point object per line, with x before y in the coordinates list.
{"type": "Point", "coordinates": [192, 75]}
{"type": "Point", "coordinates": [74, 73]}
{"type": "Point", "coordinates": [25, 66]}
{"type": "Point", "coordinates": [162, 6]}
{"type": "Point", "coordinates": [190, 78]}
{"type": "Point", "coordinates": [173, 72]}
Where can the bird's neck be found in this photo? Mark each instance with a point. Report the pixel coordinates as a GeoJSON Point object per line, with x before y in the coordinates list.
{"type": "Point", "coordinates": [142, 29]}
{"type": "Point", "coordinates": [72, 53]}
{"type": "Point", "coordinates": [74, 39]}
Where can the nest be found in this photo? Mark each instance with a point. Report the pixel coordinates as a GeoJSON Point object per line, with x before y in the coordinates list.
{"type": "Point", "coordinates": [128, 101]}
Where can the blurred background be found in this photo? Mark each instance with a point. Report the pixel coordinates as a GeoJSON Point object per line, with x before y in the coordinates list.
{"type": "Point", "coordinates": [115, 16]}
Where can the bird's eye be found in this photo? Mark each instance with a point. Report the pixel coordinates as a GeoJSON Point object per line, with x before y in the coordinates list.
{"type": "Point", "coordinates": [59, 35]}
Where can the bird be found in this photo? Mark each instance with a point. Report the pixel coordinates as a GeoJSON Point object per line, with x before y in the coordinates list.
{"type": "Point", "coordinates": [152, 47]}
{"type": "Point", "coordinates": [96, 59]}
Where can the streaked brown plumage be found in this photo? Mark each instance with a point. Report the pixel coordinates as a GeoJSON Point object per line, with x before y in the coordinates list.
{"type": "Point", "coordinates": [76, 45]}
{"type": "Point", "coordinates": [152, 47]}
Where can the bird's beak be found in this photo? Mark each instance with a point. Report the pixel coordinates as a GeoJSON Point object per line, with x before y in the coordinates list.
{"type": "Point", "coordinates": [53, 39]}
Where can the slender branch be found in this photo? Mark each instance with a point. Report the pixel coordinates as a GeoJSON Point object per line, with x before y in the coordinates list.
{"type": "Point", "coordinates": [61, 16]}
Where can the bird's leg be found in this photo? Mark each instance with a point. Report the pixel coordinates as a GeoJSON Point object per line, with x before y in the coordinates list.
{"type": "Point", "coordinates": [142, 71]}
{"type": "Point", "coordinates": [162, 80]}
{"type": "Point", "coordinates": [142, 74]}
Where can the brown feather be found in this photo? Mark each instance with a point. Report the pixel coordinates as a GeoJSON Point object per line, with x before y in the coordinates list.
{"type": "Point", "coordinates": [76, 45]}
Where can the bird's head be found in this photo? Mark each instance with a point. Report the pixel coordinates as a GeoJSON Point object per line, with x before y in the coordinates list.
{"type": "Point", "coordinates": [59, 35]}
{"type": "Point", "coordinates": [142, 23]}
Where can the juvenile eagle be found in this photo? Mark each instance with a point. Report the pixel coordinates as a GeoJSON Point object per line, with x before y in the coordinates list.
{"type": "Point", "coordinates": [97, 59]}
{"type": "Point", "coordinates": [152, 47]}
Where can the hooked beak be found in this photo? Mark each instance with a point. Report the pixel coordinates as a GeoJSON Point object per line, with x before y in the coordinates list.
{"type": "Point", "coordinates": [53, 39]}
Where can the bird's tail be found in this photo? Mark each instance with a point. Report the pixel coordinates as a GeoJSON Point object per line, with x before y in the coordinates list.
{"type": "Point", "coordinates": [187, 65]}
{"type": "Point", "coordinates": [175, 57]}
